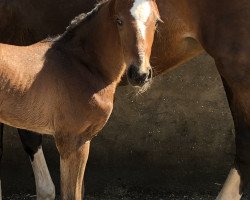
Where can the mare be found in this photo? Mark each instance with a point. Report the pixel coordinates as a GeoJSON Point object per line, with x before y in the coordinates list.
{"type": "Point", "coordinates": [65, 86]}
{"type": "Point", "coordinates": [222, 29]}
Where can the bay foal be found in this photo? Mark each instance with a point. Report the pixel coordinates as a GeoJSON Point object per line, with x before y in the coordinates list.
{"type": "Point", "coordinates": [65, 87]}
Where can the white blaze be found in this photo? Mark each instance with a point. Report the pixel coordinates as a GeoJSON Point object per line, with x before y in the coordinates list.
{"type": "Point", "coordinates": [141, 11]}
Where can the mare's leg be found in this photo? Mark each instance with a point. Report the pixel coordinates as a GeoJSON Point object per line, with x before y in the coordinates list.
{"type": "Point", "coordinates": [73, 158]}
{"type": "Point", "coordinates": [1, 154]}
{"type": "Point", "coordinates": [32, 144]}
{"type": "Point", "coordinates": [238, 98]}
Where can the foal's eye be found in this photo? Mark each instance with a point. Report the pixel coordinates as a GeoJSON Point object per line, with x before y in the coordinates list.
{"type": "Point", "coordinates": [119, 22]}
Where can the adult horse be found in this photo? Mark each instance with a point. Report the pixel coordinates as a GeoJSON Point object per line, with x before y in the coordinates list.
{"type": "Point", "coordinates": [65, 86]}
{"type": "Point", "coordinates": [222, 29]}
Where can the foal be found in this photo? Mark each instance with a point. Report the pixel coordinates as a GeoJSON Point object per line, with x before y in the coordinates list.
{"type": "Point", "coordinates": [65, 87]}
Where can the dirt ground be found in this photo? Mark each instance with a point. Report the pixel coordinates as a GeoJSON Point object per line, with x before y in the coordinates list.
{"type": "Point", "coordinates": [119, 193]}
{"type": "Point", "coordinates": [132, 196]}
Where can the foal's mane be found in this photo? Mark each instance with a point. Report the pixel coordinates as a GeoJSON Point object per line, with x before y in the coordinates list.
{"type": "Point", "coordinates": [76, 22]}
{"type": "Point", "coordinates": [85, 16]}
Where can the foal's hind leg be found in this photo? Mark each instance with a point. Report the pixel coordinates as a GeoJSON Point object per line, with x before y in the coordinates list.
{"type": "Point", "coordinates": [1, 154]}
{"type": "Point", "coordinates": [73, 158]}
{"type": "Point", "coordinates": [32, 144]}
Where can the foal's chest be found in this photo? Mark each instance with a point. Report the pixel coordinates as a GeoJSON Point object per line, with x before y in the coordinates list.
{"type": "Point", "coordinates": [101, 106]}
{"type": "Point", "coordinates": [88, 115]}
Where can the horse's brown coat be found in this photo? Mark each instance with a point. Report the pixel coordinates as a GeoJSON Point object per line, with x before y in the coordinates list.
{"type": "Point", "coordinates": [65, 87]}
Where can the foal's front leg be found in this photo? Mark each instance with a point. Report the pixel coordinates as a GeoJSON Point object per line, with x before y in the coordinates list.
{"type": "Point", "coordinates": [73, 158]}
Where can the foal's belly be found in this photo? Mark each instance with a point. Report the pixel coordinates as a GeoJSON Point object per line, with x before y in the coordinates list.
{"type": "Point", "coordinates": [88, 124]}
{"type": "Point", "coordinates": [25, 115]}
{"type": "Point", "coordinates": [31, 125]}
{"type": "Point", "coordinates": [49, 114]}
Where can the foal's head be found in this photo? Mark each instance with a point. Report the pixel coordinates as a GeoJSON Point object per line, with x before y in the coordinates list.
{"type": "Point", "coordinates": [137, 21]}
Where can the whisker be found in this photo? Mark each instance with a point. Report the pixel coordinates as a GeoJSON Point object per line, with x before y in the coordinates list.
{"type": "Point", "coordinates": [144, 88]}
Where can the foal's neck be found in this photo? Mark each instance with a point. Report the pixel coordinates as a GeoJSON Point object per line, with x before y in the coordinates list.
{"type": "Point", "coordinates": [95, 43]}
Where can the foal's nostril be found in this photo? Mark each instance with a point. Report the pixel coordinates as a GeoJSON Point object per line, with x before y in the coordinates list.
{"type": "Point", "coordinates": [130, 72]}
{"type": "Point", "coordinates": [133, 73]}
{"type": "Point", "coordinates": [144, 77]}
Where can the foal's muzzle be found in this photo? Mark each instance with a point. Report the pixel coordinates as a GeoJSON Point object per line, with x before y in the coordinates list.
{"type": "Point", "coordinates": [137, 77]}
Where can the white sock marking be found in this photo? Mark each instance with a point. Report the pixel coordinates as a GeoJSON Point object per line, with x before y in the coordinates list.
{"type": "Point", "coordinates": [231, 188]}
{"type": "Point", "coordinates": [45, 188]}
{"type": "Point", "coordinates": [141, 11]}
